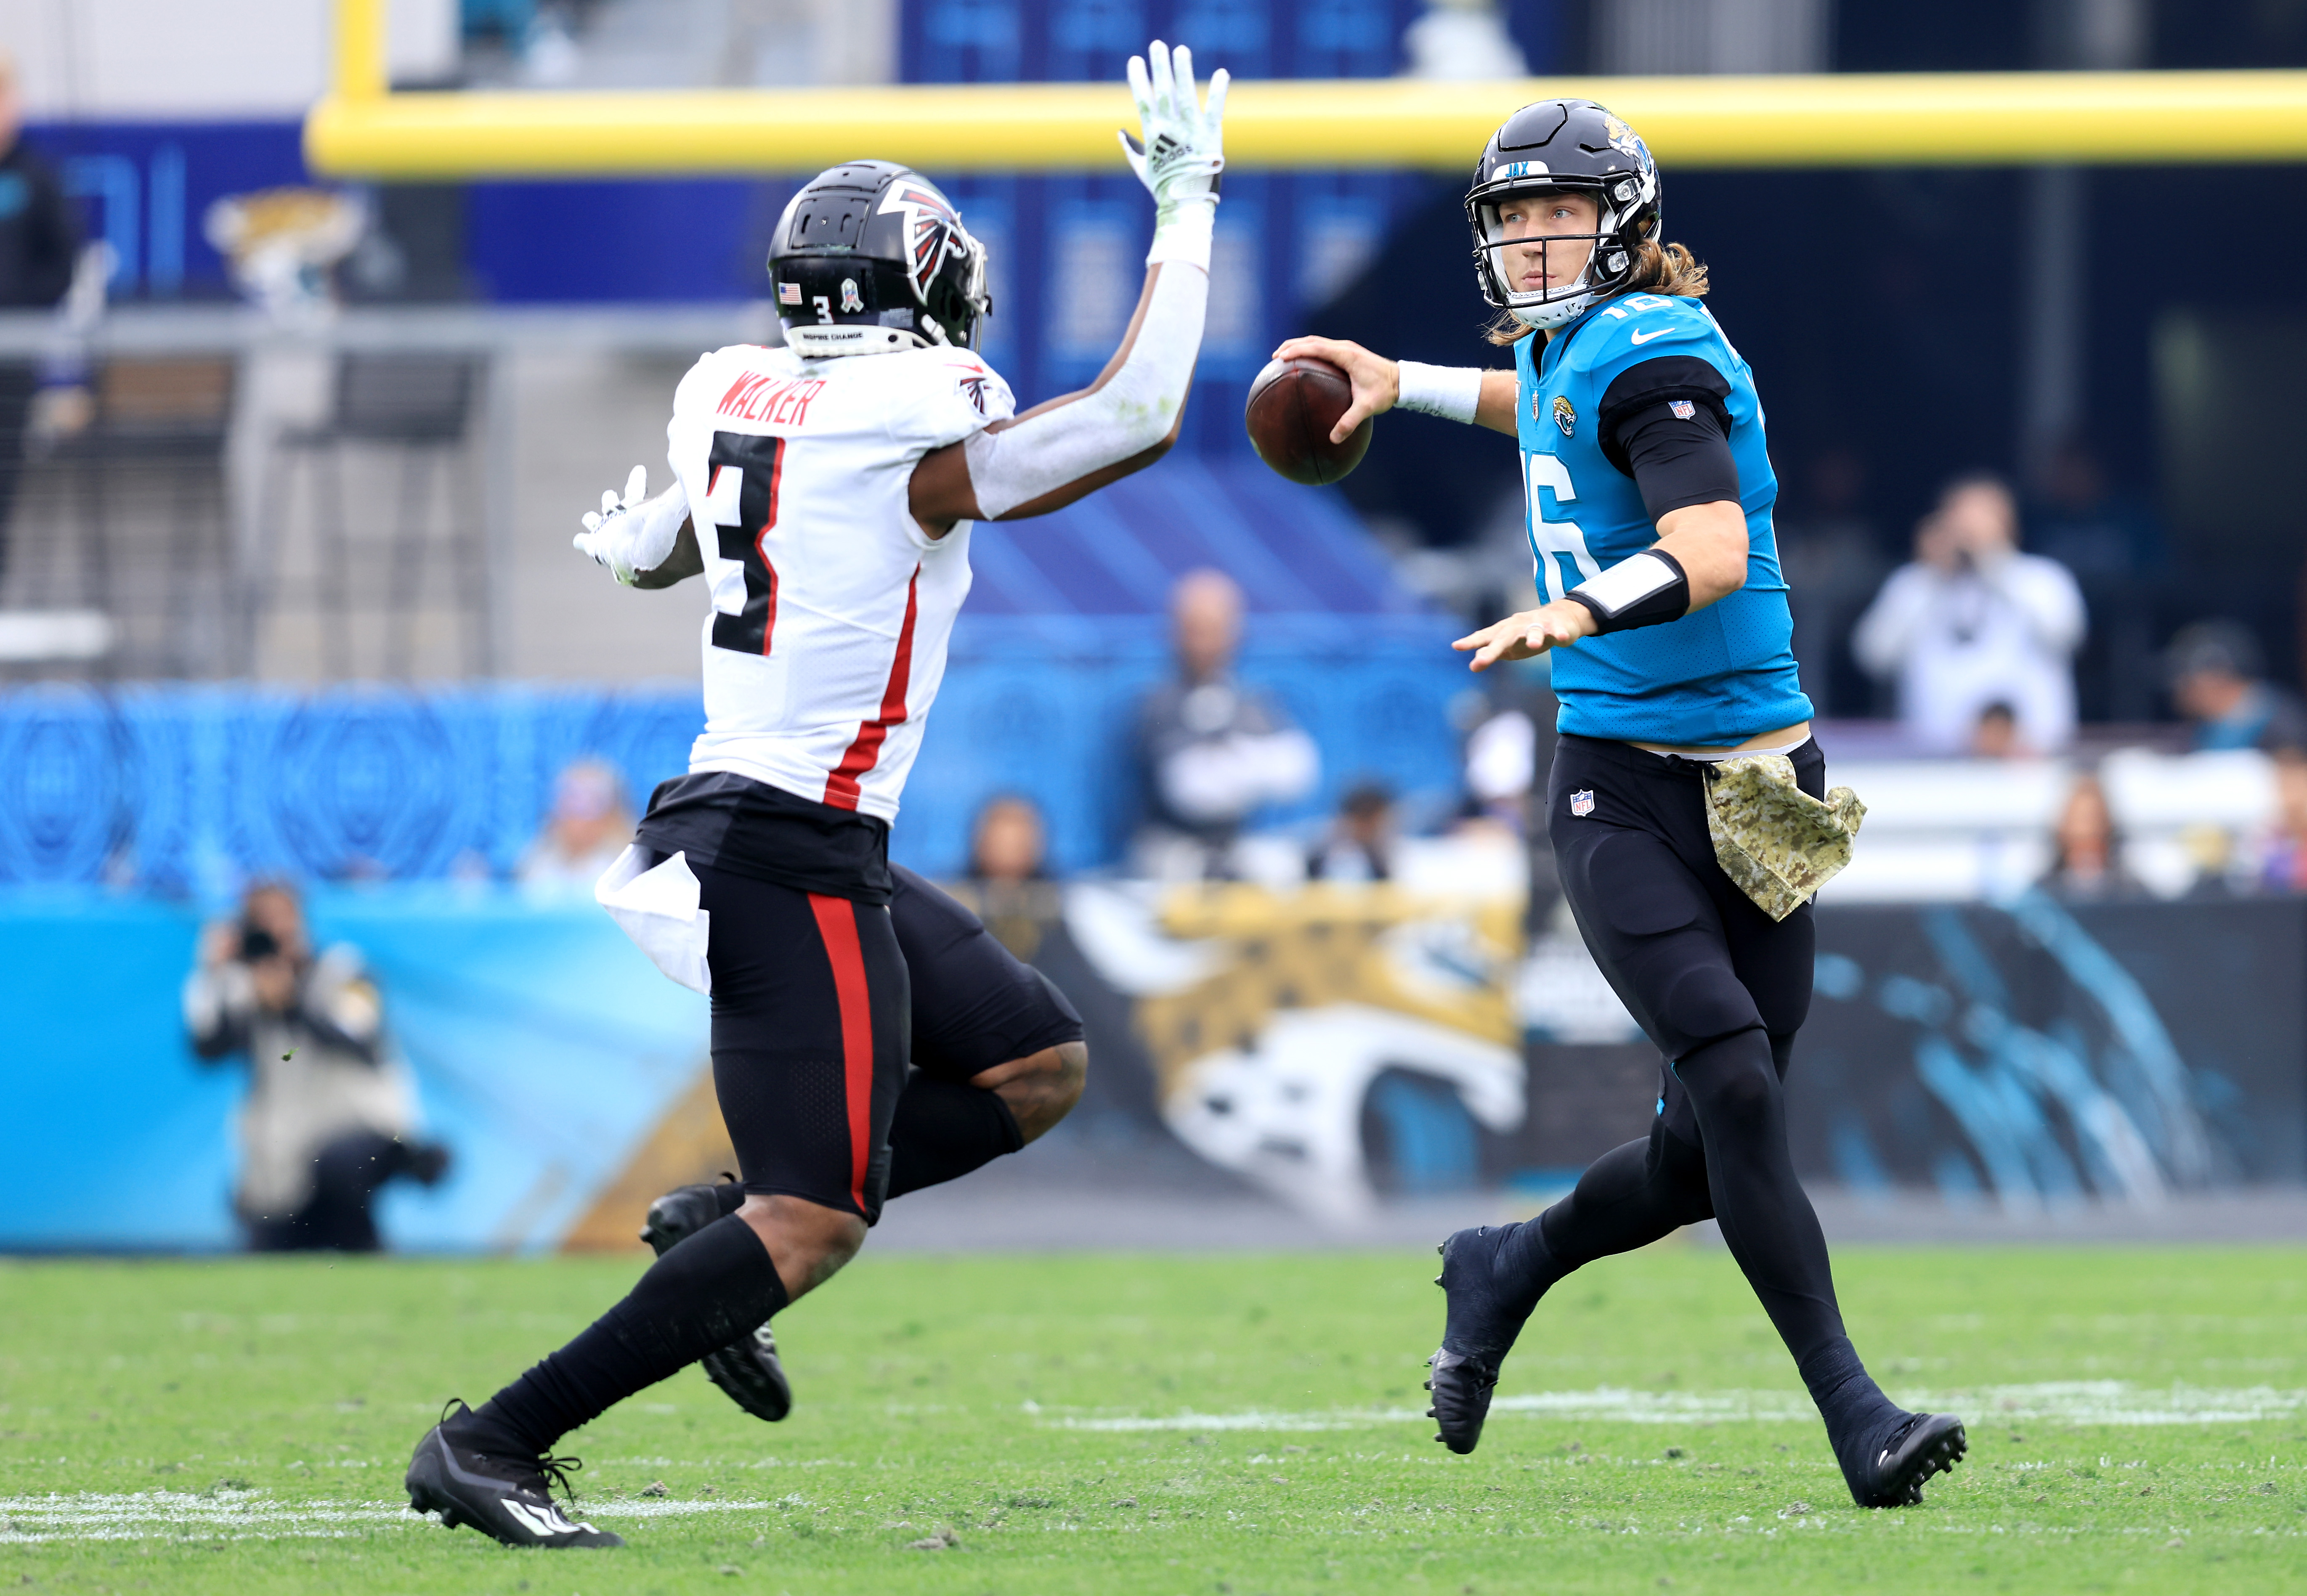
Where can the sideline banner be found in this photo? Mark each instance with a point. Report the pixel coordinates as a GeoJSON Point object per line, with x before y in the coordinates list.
{"type": "Point", "coordinates": [1334, 1045]}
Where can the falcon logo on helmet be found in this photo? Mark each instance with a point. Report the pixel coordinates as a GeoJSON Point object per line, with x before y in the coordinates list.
{"type": "Point", "coordinates": [932, 230]}
{"type": "Point", "coordinates": [881, 242]}
{"type": "Point", "coordinates": [1563, 146]}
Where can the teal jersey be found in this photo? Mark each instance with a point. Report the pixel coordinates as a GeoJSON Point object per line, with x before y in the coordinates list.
{"type": "Point", "coordinates": [1712, 679]}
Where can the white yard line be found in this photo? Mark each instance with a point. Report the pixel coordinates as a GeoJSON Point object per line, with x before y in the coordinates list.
{"type": "Point", "coordinates": [2084, 1402]}
{"type": "Point", "coordinates": [246, 1516]}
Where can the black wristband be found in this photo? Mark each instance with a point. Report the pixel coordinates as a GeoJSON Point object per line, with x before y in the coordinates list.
{"type": "Point", "coordinates": [1649, 589]}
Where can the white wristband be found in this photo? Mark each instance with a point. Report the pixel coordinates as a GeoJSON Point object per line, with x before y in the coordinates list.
{"type": "Point", "coordinates": [1182, 230]}
{"type": "Point", "coordinates": [1451, 391]}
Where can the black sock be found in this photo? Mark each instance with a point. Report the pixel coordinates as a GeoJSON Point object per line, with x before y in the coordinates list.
{"type": "Point", "coordinates": [717, 1287]}
{"type": "Point", "coordinates": [1859, 1417]}
{"type": "Point", "coordinates": [942, 1129]}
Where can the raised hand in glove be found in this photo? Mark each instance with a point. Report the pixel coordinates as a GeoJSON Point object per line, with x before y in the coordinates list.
{"type": "Point", "coordinates": [633, 534]}
{"type": "Point", "coordinates": [1182, 152]}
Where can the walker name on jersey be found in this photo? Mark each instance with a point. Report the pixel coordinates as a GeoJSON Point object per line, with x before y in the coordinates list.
{"type": "Point", "coordinates": [773, 401]}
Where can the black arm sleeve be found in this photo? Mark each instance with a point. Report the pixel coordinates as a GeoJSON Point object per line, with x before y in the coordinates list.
{"type": "Point", "coordinates": [1666, 423]}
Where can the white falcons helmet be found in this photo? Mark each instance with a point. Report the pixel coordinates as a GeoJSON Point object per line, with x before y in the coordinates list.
{"type": "Point", "coordinates": [1552, 147]}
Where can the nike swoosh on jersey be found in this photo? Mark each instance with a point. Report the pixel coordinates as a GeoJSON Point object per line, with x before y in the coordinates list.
{"type": "Point", "coordinates": [1644, 338]}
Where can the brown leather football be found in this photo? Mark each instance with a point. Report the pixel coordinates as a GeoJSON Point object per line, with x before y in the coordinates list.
{"type": "Point", "coordinates": [1293, 404]}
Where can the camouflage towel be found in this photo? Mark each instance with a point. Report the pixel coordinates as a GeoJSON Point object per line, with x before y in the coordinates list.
{"type": "Point", "coordinates": [1775, 841]}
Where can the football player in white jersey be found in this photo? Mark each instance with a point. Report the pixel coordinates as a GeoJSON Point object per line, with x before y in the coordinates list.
{"type": "Point", "coordinates": [825, 489]}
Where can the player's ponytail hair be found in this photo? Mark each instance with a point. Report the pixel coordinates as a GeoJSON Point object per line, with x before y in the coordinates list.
{"type": "Point", "coordinates": [1658, 269]}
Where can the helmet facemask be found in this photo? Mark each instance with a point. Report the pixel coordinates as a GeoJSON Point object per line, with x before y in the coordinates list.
{"type": "Point", "coordinates": [1610, 251]}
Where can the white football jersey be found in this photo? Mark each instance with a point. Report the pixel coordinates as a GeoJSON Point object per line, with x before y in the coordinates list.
{"type": "Point", "coordinates": [831, 607]}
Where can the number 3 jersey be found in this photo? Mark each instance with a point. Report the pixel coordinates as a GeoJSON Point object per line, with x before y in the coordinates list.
{"type": "Point", "coordinates": [1715, 677]}
{"type": "Point", "coordinates": [831, 608]}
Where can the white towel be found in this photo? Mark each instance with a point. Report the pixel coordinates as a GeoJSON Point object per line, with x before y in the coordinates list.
{"type": "Point", "coordinates": [657, 909]}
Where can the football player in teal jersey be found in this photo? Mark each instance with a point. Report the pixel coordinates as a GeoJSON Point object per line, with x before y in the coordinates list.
{"type": "Point", "coordinates": [1664, 611]}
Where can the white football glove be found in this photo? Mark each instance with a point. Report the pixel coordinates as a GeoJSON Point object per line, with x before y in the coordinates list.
{"type": "Point", "coordinates": [1182, 152]}
{"type": "Point", "coordinates": [633, 534]}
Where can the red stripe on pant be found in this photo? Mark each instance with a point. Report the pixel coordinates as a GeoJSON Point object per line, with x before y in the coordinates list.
{"type": "Point", "coordinates": [836, 922]}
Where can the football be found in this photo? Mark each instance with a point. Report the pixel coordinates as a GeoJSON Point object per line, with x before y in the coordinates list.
{"type": "Point", "coordinates": [1293, 404]}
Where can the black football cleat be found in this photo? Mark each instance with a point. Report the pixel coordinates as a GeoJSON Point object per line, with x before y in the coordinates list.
{"type": "Point", "coordinates": [1924, 1445]}
{"type": "Point", "coordinates": [748, 1371]}
{"type": "Point", "coordinates": [506, 1498]}
{"type": "Point", "coordinates": [1485, 1312]}
{"type": "Point", "coordinates": [1461, 1387]}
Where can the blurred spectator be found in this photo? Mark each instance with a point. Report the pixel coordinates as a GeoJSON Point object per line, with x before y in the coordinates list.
{"type": "Point", "coordinates": [2283, 864]}
{"type": "Point", "coordinates": [1833, 566]}
{"type": "Point", "coordinates": [38, 242]}
{"type": "Point", "coordinates": [330, 1114]}
{"type": "Point", "coordinates": [1972, 621]}
{"type": "Point", "coordinates": [588, 827]}
{"type": "Point", "coordinates": [2087, 858]}
{"type": "Point", "coordinates": [2087, 527]}
{"type": "Point", "coordinates": [2214, 669]}
{"type": "Point", "coordinates": [1996, 734]}
{"type": "Point", "coordinates": [1008, 883]}
{"type": "Point", "coordinates": [1211, 752]}
{"type": "Point", "coordinates": [1009, 844]}
{"type": "Point", "coordinates": [1359, 846]}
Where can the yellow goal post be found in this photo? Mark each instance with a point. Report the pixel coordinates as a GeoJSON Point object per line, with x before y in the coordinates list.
{"type": "Point", "coordinates": [362, 128]}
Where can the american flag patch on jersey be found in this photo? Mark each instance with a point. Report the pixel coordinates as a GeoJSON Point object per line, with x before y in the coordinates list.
{"type": "Point", "coordinates": [1683, 408]}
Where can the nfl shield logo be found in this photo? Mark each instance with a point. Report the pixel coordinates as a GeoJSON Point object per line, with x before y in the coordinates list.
{"type": "Point", "coordinates": [1582, 803]}
{"type": "Point", "coordinates": [1683, 409]}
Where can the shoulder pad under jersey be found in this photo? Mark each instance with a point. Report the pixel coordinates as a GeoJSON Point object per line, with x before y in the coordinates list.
{"type": "Point", "coordinates": [1628, 331]}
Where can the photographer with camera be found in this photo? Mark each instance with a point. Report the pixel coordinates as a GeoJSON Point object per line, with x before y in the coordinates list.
{"type": "Point", "coordinates": [330, 1114]}
{"type": "Point", "coordinates": [1973, 622]}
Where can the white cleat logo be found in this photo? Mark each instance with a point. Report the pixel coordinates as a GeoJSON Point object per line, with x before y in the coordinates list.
{"type": "Point", "coordinates": [541, 1520]}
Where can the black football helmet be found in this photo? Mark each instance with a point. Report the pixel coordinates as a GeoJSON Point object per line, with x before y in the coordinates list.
{"type": "Point", "coordinates": [870, 257]}
{"type": "Point", "coordinates": [1549, 146]}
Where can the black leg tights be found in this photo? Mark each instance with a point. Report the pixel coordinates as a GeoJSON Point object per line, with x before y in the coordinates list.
{"type": "Point", "coordinates": [1742, 1175]}
{"type": "Point", "coordinates": [1631, 1195]}
{"type": "Point", "coordinates": [1641, 1191]}
{"type": "Point", "coordinates": [1721, 989]}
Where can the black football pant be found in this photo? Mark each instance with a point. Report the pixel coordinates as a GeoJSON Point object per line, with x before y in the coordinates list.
{"type": "Point", "coordinates": [845, 1037]}
{"type": "Point", "coordinates": [1721, 989]}
{"type": "Point", "coordinates": [817, 1003]}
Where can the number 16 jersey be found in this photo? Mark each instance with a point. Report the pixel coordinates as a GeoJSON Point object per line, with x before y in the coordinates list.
{"type": "Point", "coordinates": [1713, 678]}
{"type": "Point", "coordinates": [831, 608]}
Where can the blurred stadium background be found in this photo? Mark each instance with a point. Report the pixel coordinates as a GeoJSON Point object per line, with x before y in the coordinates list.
{"type": "Point", "coordinates": [287, 592]}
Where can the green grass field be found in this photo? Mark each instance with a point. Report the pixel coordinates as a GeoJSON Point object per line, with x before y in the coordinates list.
{"type": "Point", "coordinates": [1168, 1424]}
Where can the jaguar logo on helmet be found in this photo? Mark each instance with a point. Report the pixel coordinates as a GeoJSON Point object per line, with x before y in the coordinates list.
{"type": "Point", "coordinates": [932, 230]}
{"type": "Point", "coordinates": [1624, 140]}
